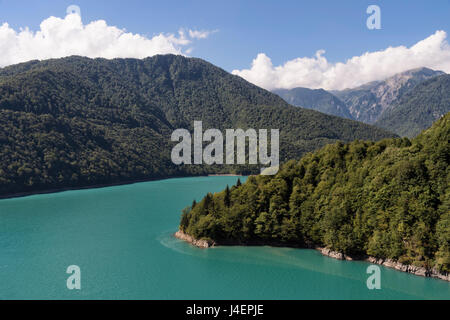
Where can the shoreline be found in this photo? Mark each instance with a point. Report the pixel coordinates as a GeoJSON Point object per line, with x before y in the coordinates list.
{"type": "Point", "coordinates": [105, 185]}
{"type": "Point", "coordinates": [225, 175]}
{"type": "Point", "coordinates": [95, 186]}
{"type": "Point", "coordinates": [389, 263]}
{"type": "Point", "coordinates": [189, 239]}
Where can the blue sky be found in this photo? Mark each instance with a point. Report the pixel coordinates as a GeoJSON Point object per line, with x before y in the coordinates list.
{"type": "Point", "coordinates": [283, 30]}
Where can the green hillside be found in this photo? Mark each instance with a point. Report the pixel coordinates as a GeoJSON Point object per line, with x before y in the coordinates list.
{"type": "Point", "coordinates": [388, 199]}
{"type": "Point", "coordinates": [78, 122]}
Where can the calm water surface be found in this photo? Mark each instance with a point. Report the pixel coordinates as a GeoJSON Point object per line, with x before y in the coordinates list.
{"type": "Point", "coordinates": [121, 238]}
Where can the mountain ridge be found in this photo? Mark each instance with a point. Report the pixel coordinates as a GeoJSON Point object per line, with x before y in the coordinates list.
{"type": "Point", "coordinates": [368, 102]}
{"type": "Point", "coordinates": [315, 99]}
{"type": "Point", "coordinates": [79, 122]}
{"type": "Point", "coordinates": [381, 103]}
{"type": "Point", "coordinates": [417, 109]}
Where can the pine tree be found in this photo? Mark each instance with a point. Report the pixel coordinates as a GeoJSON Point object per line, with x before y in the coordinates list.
{"type": "Point", "coordinates": [208, 200]}
{"type": "Point", "coordinates": [238, 183]}
{"type": "Point", "coordinates": [227, 198]}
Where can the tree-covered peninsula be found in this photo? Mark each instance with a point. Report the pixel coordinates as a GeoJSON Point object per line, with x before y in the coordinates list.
{"type": "Point", "coordinates": [388, 199]}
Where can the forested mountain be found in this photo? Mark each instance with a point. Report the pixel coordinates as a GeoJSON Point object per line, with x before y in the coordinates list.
{"type": "Point", "coordinates": [368, 102]}
{"type": "Point", "coordinates": [418, 108]}
{"type": "Point", "coordinates": [387, 199]}
{"type": "Point", "coordinates": [76, 121]}
{"type": "Point", "coordinates": [319, 100]}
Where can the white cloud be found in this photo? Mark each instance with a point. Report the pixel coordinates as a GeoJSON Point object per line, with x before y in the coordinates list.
{"type": "Point", "coordinates": [59, 37]}
{"type": "Point", "coordinates": [316, 72]}
{"type": "Point", "coordinates": [201, 34]}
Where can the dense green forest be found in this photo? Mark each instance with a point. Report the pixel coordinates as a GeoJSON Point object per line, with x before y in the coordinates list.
{"type": "Point", "coordinates": [418, 108]}
{"type": "Point", "coordinates": [388, 199]}
{"type": "Point", "coordinates": [77, 122]}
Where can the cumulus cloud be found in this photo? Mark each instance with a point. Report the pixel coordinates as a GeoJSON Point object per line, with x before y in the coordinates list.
{"type": "Point", "coordinates": [60, 37]}
{"type": "Point", "coordinates": [317, 72]}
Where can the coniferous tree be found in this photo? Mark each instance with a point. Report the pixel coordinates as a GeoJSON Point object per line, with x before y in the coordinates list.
{"type": "Point", "coordinates": [208, 200]}
{"type": "Point", "coordinates": [227, 197]}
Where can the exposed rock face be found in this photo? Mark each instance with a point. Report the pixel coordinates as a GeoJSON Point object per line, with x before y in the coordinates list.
{"type": "Point", "coordinates": [419, 108]}
{"type": "Point", "coordinates": [418, 271]}
{"type": "Point", "coordinates": [198, 243]}
{"type": "Point", "coordinates": [334, 254]}
{"type": "Point", "coordinates": [368, 102]}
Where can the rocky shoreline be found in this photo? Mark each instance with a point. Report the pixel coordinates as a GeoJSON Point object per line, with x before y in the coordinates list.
{"type": "Point", "coordinates": [198, 243]}
{"type": "Point", "coordinates": [389, 263]}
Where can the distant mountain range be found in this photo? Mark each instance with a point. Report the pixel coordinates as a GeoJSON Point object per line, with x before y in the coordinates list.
{"type": "Point", "coordinates": [318, 99]}
{"type": "Point", "coordinates": [377, 102]}
{"type": "Point", "coordinates": [80, 122]}
{"type": "Point", "coordinates": [368, 102]}
{"type": "Point", "coordinates": [418, 108]}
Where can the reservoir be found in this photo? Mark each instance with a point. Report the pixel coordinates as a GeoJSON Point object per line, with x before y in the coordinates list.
{"type": "Point", "coordinates": [121, 238]}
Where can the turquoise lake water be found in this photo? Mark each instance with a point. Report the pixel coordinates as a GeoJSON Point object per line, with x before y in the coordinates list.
{"type": "Point", "coordinates": [121, 238]}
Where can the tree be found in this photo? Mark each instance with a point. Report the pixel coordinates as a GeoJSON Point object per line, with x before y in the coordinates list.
{"type": "Point", "coordinates": [227, 197]}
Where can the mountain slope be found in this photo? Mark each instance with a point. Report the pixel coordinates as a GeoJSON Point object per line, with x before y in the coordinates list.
{"type": "Point", "coordinates": [387, 199]}
{"type": "Point", "coordinates": [419, 108]}
{"type": "Point", "coordinates": [76, 122]}
{"type": "Point", "coordinates": [319, 100]}
{"type": "Point", "coordinates": [368, 102]}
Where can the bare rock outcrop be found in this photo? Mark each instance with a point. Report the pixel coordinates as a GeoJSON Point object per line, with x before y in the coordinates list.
{"type": "Point", "coordinates": [201, 243]}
